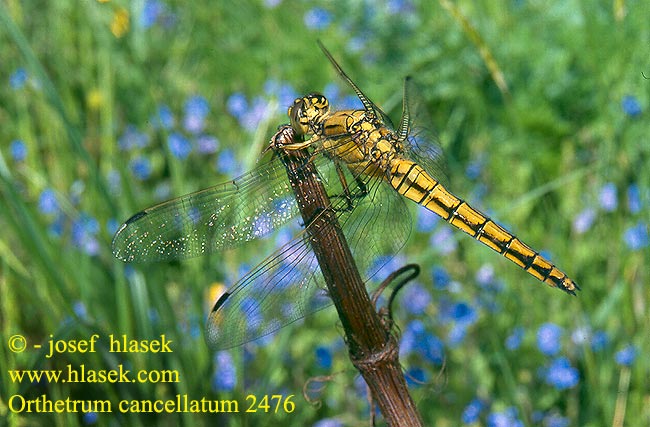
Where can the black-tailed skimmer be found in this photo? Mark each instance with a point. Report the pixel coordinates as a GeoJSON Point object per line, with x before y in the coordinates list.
{"type": "Point", "coordinates": [367, 166]}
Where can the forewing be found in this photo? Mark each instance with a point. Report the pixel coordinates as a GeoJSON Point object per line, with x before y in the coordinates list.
{"type": "Point", "coordinates": [282, 289]}
{"type": "Point", "coordinates": [209, 220]}
{"type": "Point", "coordinates": [369, 106]}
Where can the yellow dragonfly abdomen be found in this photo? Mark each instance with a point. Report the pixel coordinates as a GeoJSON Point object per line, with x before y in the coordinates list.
{"type": "Point", "coordinates": [413, 182]}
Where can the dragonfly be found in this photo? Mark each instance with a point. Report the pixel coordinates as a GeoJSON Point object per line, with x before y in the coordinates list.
{"type": "Point", "coordinates": [369, 168]}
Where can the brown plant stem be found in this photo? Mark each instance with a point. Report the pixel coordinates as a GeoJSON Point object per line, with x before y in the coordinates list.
{"type": "Point", "coordinates": [373, 349]}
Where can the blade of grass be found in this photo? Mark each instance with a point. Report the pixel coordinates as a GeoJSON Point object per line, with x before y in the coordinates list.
{"type": "Point", "coordinates": [51, 93]}
{"type": "Point", "coordinates": [483, 48]}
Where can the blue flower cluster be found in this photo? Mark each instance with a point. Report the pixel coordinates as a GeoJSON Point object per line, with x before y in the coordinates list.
{"type": "Point", "coordinates": [635, 237]}
{"type": "Point", "coordinates": [83, 228]}
{"type": "Point", "coordinates": [155, 12]}
{"type": "Point", "coordinates": [225, 372]}
{"type": "Point", "coordinates": [181, 143]}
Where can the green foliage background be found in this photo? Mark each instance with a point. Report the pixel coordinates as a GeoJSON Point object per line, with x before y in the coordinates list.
{"type": "Point", "coordinates": [531, 89]}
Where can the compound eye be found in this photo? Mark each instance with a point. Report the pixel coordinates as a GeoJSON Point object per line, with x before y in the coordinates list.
{"type": "Point", "coordinates": [298, 116]}
{"type": "Point", "coordinates": [307, 113]}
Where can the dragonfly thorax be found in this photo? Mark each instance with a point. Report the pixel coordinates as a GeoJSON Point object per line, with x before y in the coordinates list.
{"type": "Point", "coordinates": [308, 112]}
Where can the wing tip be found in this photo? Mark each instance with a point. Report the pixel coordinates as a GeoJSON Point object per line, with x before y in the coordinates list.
{"type": "Point", "coordinates": [117, 240]}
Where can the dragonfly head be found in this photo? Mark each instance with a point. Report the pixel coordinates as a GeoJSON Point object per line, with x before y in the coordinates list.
{"type": "Point", "coordinates": [307, 112]}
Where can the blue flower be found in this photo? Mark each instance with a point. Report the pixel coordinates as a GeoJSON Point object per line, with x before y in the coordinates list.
{"type": "Point", "coordinates": [197, 105]}
{"type": "Point", "coordinates": [56, 228]}
{"type": "Point", "coordinates": [272, 3]}
{"type": "Point", "coordinates": [150, 13]}
{"type": "Point", "coordinates": [608, 197]}
{"type": "Point", "coordinates": [225, 372]}
{"type": "Point", "coordinates": [631, 106]}
{"type": "Point", "coordinates": [548, 339]}
{"type": "Point", "coordinates": [464, 313]}
{"type": "Point", "coordinates": [179, 146]}
{"type": "Point", "coordinates": [328, 422]}
{"type": "Point", "coordinates": [255, 115]}
{"type": "Point", "coordinates": [84, 232]}
{"type": "Point", "coordinates": [394, 7]}
{"type": "Point", "coordinates": [317, 18]}
{"type": "Point", "coordinates": [79, 309]}
{"type": "Point", "coordinates": [599, 340]}
{"type": "Point", "coordinates": [323, 357]}
{"type": "Point", "coordinates": [18, 78]}
{"type": "Point", "coordinates": [153, 315]}
{"type": "Point", "coordinates": [226, 162]}
{"type": "Point", "coordinates": [513, 341]}
{"type": "Point", "coordinates": [140, 167]}
{"type": "Point", "coordinates": [132, 138]}
{"type": "Point", "coordinates": [112, 225]}
{"type": "Point", "coordinates": [456, 334]}
{"type": "Point", "coordinates": [90, 418]}
{"type": "Point", "coordinates": [637, 237]}
{"type": "Point", "coordinates": [431, 348]}
{"type": "Point", "coordinates": [474, 168]}
{"type": "Point", "coordinates": [207, 144]}
{"type": "Point", "coordinates": [283, 92]}
{"type": "Point", "coordinates": [237, 105]}
{"type": "Point", "coordinates": [472, 411]}
{"type": "Point", "coordinates": [633, 198]}
{"type": "Point", "coordinates": [427, 220]}
{"type": "Point", "coordinates": [555, 420]}
{"type": "Point", "coordinates": [196, 111]}
{"type": "Point", "coordinates": [444, 241]}
{"type": "Point", "coordinates": [581, 335]}
{"type": "Point", "coordinates": [18, 150]}
{"type": "Point", "coordinates": [48, 203]}
{"type": "Point", "coordinates": [331, 91]}
{"type": "Point", "coordinates": [626, 356]}
{"type": "Point", "coordinates": [416, 339]}
{"type": "Point", "coordinates": [441, 278]}
{"type": "Point", "coordinates": [485, 275]}
{"type": "Point", "coordinates": [561, 375]}
{"type": "Point", "coordinates": [286, 95]}
{"type": "Point", "coordinates": [91, 246]}
{"type": "Point", "coordinates": [584, 220]}
{"type": "Point", "coordinates": [164, 118]}
{"type": "Point", "coordinates": [507, 418]}
{"type": "Point", "coordinates": [163, 191]}
{"type": "Point", "coordinates": [415, 376]}
{"type": "Point", "coordinates": [350, 102]}
{"type": "Point", "coordinates": [416, 299]}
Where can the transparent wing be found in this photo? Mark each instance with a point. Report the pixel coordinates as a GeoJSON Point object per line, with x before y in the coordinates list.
{"type": "Point", "coordinates": [289, 285]}
{"type": "Point", "coordinates": [282, 289]}
{"type": "Point", "coordinates": [369, 106]}
{"type": "Point", "coordinates": [209, 220]}
{"type": "Point", "coordinates": [421, 145]}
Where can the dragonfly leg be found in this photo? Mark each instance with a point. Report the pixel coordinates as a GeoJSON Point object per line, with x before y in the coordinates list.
{"type": "Point", "coordinates": [347, 194]}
